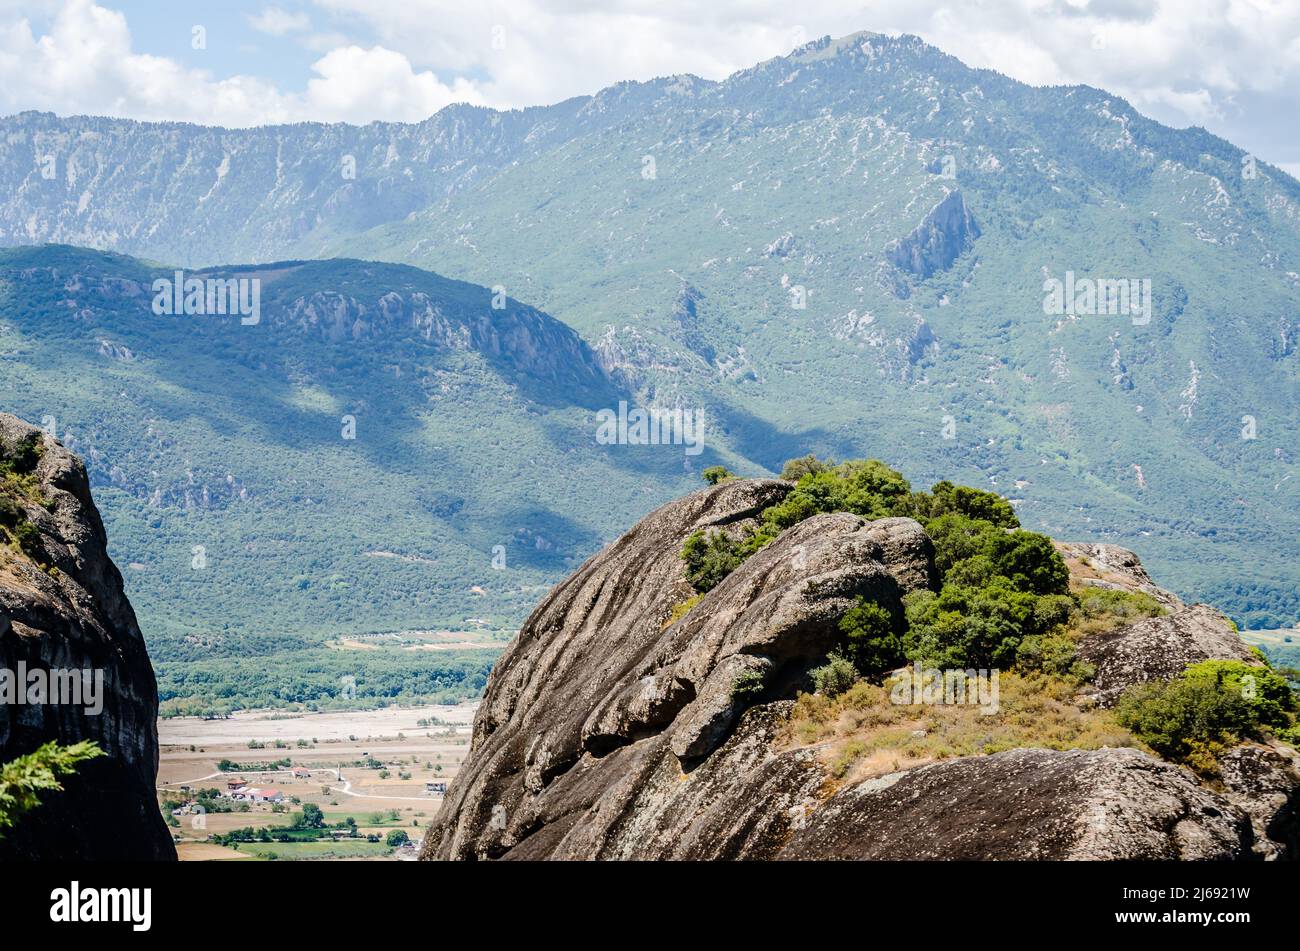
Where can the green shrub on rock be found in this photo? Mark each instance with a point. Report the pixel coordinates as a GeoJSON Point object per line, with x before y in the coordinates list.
{"type": "Point", "coordinates": [1213, 705]}
{"type": "Point", "coordinates": [837, 676]}
{"type": "Point", "coordinates": [998, 583]}
{"type": "Point", "coordinates": [715, 474]}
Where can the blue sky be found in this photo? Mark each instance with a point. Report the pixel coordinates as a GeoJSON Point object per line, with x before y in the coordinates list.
{"type": "Point", "coordinates": [1232, 66]}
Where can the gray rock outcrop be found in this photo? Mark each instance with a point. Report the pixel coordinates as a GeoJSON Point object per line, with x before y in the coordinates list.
{"type": "Point", "coordinates": [947, 230]}
{"type": "Point", "coordinates": [1100, 565]}
{"type": "Point", "coordinates": [1263, 780]}
{"type": "Point", "coordinates": [607, 732]}
{"type": "Point", "coordinates": [1029, 804]}
{"type": "Point", "coordinates": [62, 607]}
{"type": "Point", "coordinates": [1160, 648]}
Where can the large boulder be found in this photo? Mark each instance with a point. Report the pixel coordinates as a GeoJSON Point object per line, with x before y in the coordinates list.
{"type": "Point", "coordinates": [598, 692]}
{"type": "Point", "coordinates": [62, 608]}
{"type": "Point", "coordinates": [1264, 781]}
{"type": "Point", "coordinates": [614, 729]}
{"type": "Point", "coordinates": [1160, 648]}
{"type": "Point", "coordinates": [1029, 804]}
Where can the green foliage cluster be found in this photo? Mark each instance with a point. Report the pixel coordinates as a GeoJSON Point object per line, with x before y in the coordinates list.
{"type": "Point", "coordinates": [998, 584]}
{"type": "Point", "coordinates": [711, 556]}
{"type": "Point", "coordinates": [311, 817]}
{"type": "Point", "coordinates": [17, 463]}
{"type": "Point", "coordinates": [20, 457]}
{"type": "Point", "coordinates": [834, 677]}
{"type": "Point", "coordinates": [1116, 606]}
{"type": "Point", "coordinates": [23, 779]}
{"type": "Point", "coordinates": [1053, 653]}
{"type": "Point", "coordinates": [715, 474]}
{"type": "Point", "coordinates": [748, 685]}
{"type": "Point", "coordinates": [1213, 705]}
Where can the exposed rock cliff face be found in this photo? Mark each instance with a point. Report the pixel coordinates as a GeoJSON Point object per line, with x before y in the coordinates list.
{"type": "Point", "coordinates": [62, 608]}
{"type": "Point", "coordinates": [945, 232]}
{"type": "Point", "coordinates": [607, 732]}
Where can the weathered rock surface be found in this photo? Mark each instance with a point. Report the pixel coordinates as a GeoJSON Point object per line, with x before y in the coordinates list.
{"type": "Point", "coordinates": [1264, 781]}
{"type": "Point", "coordinates": [77, 618]}
{"type": "Point", "coordinates": [1160, 648]}
{"type": "Point", "coordinates": [1110, 566]}
{"type": "Point", "coordinates": [596, 695]}
{"type": "Point", "coordinates": [607, 733]}
{"type": "Point", "coordinates": [1028, 804]}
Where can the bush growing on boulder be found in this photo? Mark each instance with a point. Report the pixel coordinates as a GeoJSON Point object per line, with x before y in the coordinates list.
{"type": "Point", "coordinates": [837, 676]}
{"type": "Point", "coordinates": [715, 474]}
{"type": "Point", "coordinates": [998, 583]}
{"type": "Point", "coordinates": [747, 685]}
{"type": "Point", "coordinates": [1213, 705]}
{"type": "Point", "coordinates": [710, 558]}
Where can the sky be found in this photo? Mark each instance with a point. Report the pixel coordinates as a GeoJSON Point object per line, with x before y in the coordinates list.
{"type": "Point", "coordinates": [1232, 66]}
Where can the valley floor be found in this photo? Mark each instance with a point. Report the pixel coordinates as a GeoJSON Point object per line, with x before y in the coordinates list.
{"type": "Point", "coordinates": [374, 766]}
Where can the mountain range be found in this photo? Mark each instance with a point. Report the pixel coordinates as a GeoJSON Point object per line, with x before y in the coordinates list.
{"type": "Point", "coordinates": [864, 248]}
{"type": "Point", "coordinates": [380, 450]}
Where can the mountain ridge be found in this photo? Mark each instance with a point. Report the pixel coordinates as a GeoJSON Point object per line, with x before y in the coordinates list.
{"type": "Point", "coordinates": [1097, 426]}
{"type": "Point", "coordinates": [382, 450]}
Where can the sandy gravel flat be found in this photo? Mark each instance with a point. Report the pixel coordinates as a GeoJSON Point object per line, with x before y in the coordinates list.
{"type": "Point", "coordinates": [273, 725]}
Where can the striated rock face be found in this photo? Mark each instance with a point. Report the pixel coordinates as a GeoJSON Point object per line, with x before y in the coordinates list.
{"type": "Point", "coordinates": [608, 733]}
{"type": "Point", "coordinates": [1160, 648]}
{"type": "Point", "coordinates": [596, 695]}
{"type": "Point", "coordinates": [1029, 804]}
{"type": "Point", "coordinates": [62, 608]}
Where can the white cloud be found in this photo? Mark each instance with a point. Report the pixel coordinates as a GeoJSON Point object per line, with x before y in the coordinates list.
{"type": "Point", "coordinates": [356, 84]}
{"type": "Point", "coordinates": [1183, 59]}
{"type": "Point", "coordinates": [274, 21]}
{"type": "Point", "coordinates": [1208, 62]}
{"type": "Point", "coordinates": [85, 65]}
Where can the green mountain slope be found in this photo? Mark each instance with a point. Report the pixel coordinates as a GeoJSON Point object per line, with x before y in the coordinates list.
{"type": "Point", "coordinates": [815, 170]}
{"type": "Point", "coordinates": [916, 207]}
{"type": "Point", "coordinates": [248, 524]}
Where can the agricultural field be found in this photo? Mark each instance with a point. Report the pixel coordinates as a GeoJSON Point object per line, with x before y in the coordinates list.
{"type": "Point", "coordinates": [1281, 645]}
{"type": "Point", "coordinates": [368, 772]}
